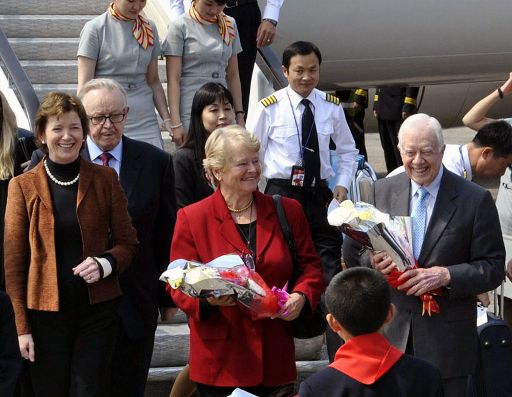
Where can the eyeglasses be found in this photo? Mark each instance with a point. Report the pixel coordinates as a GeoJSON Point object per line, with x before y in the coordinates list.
{"type": "Point", "coordinates": [114, 118]}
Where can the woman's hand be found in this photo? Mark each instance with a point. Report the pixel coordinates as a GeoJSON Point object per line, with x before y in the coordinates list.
{"type": "Point", "coordinates": [292, 308]}
{"type": "Point", "coordinates": [88, 270]}
{"type": "Point", "coordinates": [240, 120]}
{"type": "Point", "coordinates": [178, 135]}
{"type": "Point", "coordinates": [26, 343]}
{"type": "Point", "coordinates": [226, 300]}
{"type": "Point", "coordinates": [382, 262]}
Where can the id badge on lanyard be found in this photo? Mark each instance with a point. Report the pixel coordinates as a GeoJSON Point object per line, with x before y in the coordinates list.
{"type": "Point", "coordinates": [298, 171]}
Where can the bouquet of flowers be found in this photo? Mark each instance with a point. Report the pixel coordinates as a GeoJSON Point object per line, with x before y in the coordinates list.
{"type": "Point", "coordinates": [226, 275]}
{"type": "Point", "coordinates": [379, 231]}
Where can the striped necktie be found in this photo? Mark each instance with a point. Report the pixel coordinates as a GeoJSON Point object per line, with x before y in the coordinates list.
{"type": "Point", "coordinates": [105, 158]}
{"type": "Point", "coordinates": [419, 221]}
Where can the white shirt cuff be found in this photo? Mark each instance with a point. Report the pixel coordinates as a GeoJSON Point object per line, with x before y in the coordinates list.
{"type": "Point", "coordinates": [105, 265]}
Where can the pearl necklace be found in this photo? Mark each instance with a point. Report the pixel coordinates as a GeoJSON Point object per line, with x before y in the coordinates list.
{"type": "Point", "coordinates": [60, 183]}
{"type": "Point", "coordinates": [236, 210]}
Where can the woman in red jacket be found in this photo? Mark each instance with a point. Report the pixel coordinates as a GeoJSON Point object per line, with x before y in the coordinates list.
{"type": "Point", "coordinates": [227, 348]}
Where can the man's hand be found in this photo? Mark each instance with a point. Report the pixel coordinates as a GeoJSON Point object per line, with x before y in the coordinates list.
{"type": "Point", "coordinates": [382, 262]}
{"type": "Point", "coordinates": [167, 313]}
{"type": "Point", "coordinates": [506, 88]}
{"type": "Point", "coordinates": [292, 308]}
{"type": "Point", "coordinates": [26, 343]}
{"type": "Point", "coordinates": [509, 270]}
{"type": "Point", "coordinates": [405, 115]}
{"type": "Point", "coordinates": [422, 280]}
{"type": "Point", "coordinates": [266, 34]}
{"type": "Point", "coordinates": [340, 193]}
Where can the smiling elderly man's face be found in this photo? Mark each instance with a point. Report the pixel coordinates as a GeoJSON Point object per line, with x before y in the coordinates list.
{"type": "Point", "coordinates": [421, 154]}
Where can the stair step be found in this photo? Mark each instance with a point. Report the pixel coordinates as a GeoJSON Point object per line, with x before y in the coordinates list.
{"type": "Point", "coordinates": [172, 346]}
{"type": "Point", "coordinates": [45, 48]}
{"type": "Point", "coordinates": [61, 71]}
{"type": "Point", "coordinates": [51, 72]}
{"type": "Point", "coordinates": [43, 25]}
{"type": "Point", "coordinates": [53, 7]}
{"type": "Point", "coordinates": [160, 380]}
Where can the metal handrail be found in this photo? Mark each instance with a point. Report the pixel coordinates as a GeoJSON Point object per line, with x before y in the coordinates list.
{"type": "Point", "coordinates": [270, 65]}
{"type": "Point", "coordinates": [19, 77]}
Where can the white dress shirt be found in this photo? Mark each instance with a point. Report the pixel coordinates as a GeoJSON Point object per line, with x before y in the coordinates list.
{"type": "Point", "coordinates": [278, 127]}
{"type": "Point", "coordinates": [117, 154]}
{"type": "Point", "coordinates": [271, 11]}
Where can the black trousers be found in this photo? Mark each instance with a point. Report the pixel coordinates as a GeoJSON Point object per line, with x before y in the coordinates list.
{"type": "Point", "coordinates": [388, 131]}
{"type": "Point", "coordinates": [248, 19]}
{"type": "Point", "coordinates": [73, 350]}
{"type": "Point", "coordinates": [327, 239]}
{"type": "Point", "coordinates": [130, 365]}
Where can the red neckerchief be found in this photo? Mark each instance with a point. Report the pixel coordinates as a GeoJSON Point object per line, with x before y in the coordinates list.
{"type": "Point", "coordinates": [142, 30]}
{"type": "Point", "coordinates": [226, 28]}
{"type": "Point", "coordinates": [366, 358]}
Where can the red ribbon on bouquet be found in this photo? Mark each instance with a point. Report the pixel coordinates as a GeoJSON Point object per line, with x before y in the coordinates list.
{"type": "Point", "coordinates": [429, 304]}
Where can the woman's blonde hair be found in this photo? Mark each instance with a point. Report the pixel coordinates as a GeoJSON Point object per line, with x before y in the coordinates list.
{"type": "Point", "coordinates": [8, 133]}
{"type": "Point", "coordinates": [219, 147]}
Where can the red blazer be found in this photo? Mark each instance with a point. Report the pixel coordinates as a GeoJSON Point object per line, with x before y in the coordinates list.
{"type": "Point", "coordinates": [227, 348]}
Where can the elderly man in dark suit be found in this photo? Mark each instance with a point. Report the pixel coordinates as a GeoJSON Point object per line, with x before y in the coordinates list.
{"type": "Point", "coordinates": [458, 245]}
{"type": "Point", "coordinates": [147, 178]}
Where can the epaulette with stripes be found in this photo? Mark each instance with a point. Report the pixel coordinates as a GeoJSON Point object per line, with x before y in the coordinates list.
{"type": "Point", "coordinates": [332, 98]}
{"type": "Point", "coordinates": [270, 100]}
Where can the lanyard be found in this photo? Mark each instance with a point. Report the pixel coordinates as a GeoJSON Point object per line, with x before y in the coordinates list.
{"type": "Point", "coordinates": [465, 172]}
{"type": "Point", "coordinates": [302, 147]}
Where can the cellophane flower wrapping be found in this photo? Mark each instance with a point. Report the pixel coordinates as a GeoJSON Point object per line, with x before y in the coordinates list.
{"type": "Point", "coordinates": [379, 231]}
{"type": "Point", "coordinates": [225, 275]}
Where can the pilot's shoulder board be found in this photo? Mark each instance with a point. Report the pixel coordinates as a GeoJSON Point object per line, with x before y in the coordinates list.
{"type": "Point", "coordinates": [270, 100]}
{"type": "Point", "coordinates": [332, 98]}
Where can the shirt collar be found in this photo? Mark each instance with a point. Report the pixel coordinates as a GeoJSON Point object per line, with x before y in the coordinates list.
{"type": "Point", "coordinates": [433, 188]}
{"type": "Point", "coordinates": [296, 98]}
{"type": "Point", "coordinates": [95, 151]}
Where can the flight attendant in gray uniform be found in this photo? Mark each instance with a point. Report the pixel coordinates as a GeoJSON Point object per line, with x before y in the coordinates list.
{"type": "Point", "coordinates": [201, 46]}
{"type": "Point", "coordinates": [122, 45]}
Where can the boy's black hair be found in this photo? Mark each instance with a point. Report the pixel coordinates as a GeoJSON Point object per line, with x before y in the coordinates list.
{"type": "Point", "coordinates": [300, 48]}
{"type": "Point", "coordinates": [497, 135]}
{"type": "Point", "coordinates": [359, 299]}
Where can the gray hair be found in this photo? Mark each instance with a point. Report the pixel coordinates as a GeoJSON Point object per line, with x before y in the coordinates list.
{"type": "Point", "coordinates": [219, 147]}
{"type": "Point", "coordinates": [97, 84]}
{"type": "Point", "coordinates": [418, 121]}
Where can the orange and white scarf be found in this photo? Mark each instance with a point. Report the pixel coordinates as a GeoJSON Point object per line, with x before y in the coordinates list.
{"type": "Point", "coordinates": [142, 30]}
{"type": "Point", "coordinates": [226, 28]}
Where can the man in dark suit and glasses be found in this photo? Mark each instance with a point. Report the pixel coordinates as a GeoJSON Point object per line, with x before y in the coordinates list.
{"type": "Point", "coordinates": [460, 251]}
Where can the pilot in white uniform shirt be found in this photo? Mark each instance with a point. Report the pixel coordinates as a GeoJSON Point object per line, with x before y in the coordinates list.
{"type": "Point", "coordinates": [276, 122]}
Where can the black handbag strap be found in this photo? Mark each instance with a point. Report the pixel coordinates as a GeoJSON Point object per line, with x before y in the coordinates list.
{"type": "Point", "coordinates": [285, 227]}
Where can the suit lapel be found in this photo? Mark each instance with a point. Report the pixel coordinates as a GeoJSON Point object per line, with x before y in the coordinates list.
{"type": "Point", "coordinates": [86, 176]}
{"type": "Point", "coordinates": [130, 167]}
{"type": "Point", "coordinates": [42, 186]}
{"type": "Point", "coordinates": [265, 225]}
{"type": "Point", "coordinates": [444, 209]}
{"type": "Point", "coordinates": [400, 196]}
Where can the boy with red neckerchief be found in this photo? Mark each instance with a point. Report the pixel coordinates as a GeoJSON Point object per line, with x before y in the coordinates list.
{"type": "Point", "coordinates": [367, 365]}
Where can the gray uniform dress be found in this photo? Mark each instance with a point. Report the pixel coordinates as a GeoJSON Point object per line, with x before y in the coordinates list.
{"type": "Point", "coordinates": [120, 57]}
{"type": "Point", "coordinates": [204, 55]}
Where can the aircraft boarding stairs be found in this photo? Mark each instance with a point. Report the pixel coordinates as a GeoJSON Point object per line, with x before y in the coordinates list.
{"type": "Point", "coordinates": [44, 36]}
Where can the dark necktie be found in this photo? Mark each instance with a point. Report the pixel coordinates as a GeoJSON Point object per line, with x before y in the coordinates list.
{"type": "Point", "coordinates": [311, 155]}
{"type": "Point", "coordinates": [105, 158]}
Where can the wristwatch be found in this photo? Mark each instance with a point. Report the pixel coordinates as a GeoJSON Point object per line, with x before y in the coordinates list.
{"type": "Point", "coordinates": [272, 21]}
